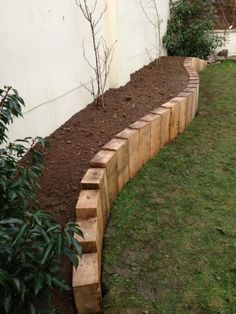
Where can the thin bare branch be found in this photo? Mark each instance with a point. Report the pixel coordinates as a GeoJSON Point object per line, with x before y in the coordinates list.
{"type": "Point", "coordinates": [100, 17]}
{"type": "Point", "coordinates": [97, 31]}
{"type": "Point", "coordinates": [152, 15]}
{"type": "Point", "coordinates": [94, 8]}
{"type": "Point", "coordinates": [149, 56]}
{"type": "Point", "coordinates": [85, 57]}
{"type": "Point", "coordinates": [145, 13]}
{"type": "Point", "coordinates": [102, 53]}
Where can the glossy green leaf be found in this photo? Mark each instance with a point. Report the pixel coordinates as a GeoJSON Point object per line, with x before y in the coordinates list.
{"type": "Point", "coordinates": [21, 233]}
{"type": "Point", "coordinates": [38, 283]}
{"type": "Point", "coordinates": [47, 253]}
{"type": "Point", "coordinates": [77, 246]}
{"type": "Point", "coordinates": [72, 257]}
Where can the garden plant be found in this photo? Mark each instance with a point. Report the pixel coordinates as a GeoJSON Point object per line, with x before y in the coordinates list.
{"type": "Point", "coordinates": [151, 11]}
{"type": "Point", "coordinates": [32, 242]}
{"type": "Point", "coordinates": [190, 29]}
{"type": "Point", "coordinates": [103, 54]}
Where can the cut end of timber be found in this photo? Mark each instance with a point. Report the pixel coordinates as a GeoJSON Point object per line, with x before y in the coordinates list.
{"type": "Point", "coordinates": [150, 117]}
{"type": "Point", "coordinates": [125, 134]}
{"type": "Point", "coordinates": [114, 144]}
{"type": "Point", "coordinates": [102, 158]}
{"type": "Point", "coordinates": [93, 178]}
{"type": "Point", "coordinates": [160, 110]}
{"type": "Point", "coordinates": [138, 125]}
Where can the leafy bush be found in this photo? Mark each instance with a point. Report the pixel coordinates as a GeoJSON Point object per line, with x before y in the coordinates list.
{"type": "Point", "coordinates": [17, 181]}
{"type": "Point", "coordinates": [30, 252]}
{"type": "Point", "coordinates": [189, 31]}
{"type": "Point", "coordinates": [32, 242]}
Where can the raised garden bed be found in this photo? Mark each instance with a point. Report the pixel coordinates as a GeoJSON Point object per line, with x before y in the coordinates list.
{"type": "Point", "coordinates": [117, 162]}
{"type": "Point", "coordinates": [77, 141]}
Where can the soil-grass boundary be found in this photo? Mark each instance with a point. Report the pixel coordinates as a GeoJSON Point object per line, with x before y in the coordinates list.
{"type": "Point", "coordinates": [75, 143]}
{"type": "Point", "coordinates": [117, 162]}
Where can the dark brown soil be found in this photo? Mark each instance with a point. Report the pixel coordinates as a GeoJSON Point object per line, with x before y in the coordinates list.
{"type": "Point", "coordinates": [76, 142]}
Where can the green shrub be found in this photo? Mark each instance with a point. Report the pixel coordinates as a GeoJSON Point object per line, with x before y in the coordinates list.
{"type": "Point", "coordinates": [30, 252]}
{"type": "Point", "coordinates": [18, 180]}
{"type": "Point", "coordinates": [189, 30]}
{"type": "Point", "coordinates": [32, 242]}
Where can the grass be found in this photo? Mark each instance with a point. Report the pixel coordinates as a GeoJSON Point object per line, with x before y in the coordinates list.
{"type": "Point", "coordinates": [170, 245]}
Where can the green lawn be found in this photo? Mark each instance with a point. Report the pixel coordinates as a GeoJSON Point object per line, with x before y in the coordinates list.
{"type": "Point", "coordinates": [170, 245]}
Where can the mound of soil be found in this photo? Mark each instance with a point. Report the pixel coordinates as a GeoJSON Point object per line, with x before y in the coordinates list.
{"type": "Point", "coordinates": [77, 141]}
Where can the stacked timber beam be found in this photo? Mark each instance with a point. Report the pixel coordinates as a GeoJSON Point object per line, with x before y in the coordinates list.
{"type": "Point", "coordinates": [117, 162]}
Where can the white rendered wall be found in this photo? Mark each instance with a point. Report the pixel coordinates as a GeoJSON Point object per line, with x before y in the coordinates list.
{"type": "Point", "coordinates": [231, 43]}
{"type": "Point", "coordinates": [41, 55]}
{"type": "Point", "coordinates": [134, 34]}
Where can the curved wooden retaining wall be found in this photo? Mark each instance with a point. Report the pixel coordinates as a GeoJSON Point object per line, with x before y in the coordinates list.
{"type": "Point", "coordinates": [117, 162]}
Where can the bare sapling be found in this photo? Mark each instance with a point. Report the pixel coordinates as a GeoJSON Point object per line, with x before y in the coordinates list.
{"type": "Point", "coordinates": [102, 52]}
{"type": "Point", "coordinates": [151, 12]}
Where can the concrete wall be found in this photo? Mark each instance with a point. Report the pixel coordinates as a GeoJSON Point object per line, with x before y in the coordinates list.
{"type": "Point", "coordinates": [42, 55]}
{"type": "Point", "coordinates": [231, 43]}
